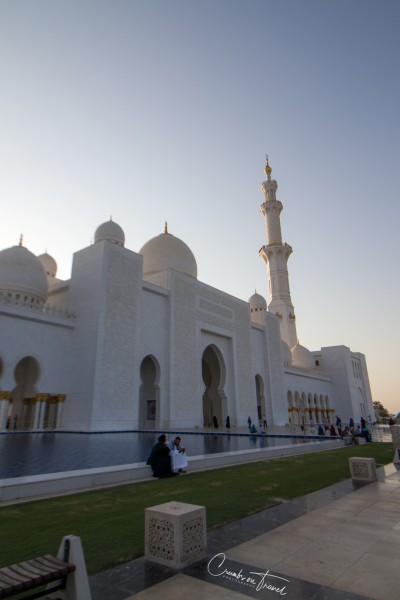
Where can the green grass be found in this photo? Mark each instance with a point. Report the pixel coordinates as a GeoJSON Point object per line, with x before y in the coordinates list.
{"type": "Point", "coordinates": [110, 522]}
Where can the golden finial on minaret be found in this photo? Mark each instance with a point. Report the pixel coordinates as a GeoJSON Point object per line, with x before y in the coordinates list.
{"type": "Point", "coordinates": [267, 169]}
{"type": "Point", "coordinates": [166, 227]}
{"type": "Point", "coordinates": [21, 239]}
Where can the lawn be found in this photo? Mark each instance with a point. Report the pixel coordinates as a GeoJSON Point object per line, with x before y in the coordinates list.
{"type": "Point", "coordinates": [110, 522]}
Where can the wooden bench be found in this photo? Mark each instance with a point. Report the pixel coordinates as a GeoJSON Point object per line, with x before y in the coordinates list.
{"type": "Point", "coordinates": [41, 572]}
{"type": "Point", "coordinates": [33, 574]}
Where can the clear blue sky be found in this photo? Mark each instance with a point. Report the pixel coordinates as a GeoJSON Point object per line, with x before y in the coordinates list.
{"type": "Point", "coordinates": [163, 110]}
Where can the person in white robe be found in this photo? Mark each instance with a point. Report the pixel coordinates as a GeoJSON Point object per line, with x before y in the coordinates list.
{"type": "Point", "coordinates": [178, 455]}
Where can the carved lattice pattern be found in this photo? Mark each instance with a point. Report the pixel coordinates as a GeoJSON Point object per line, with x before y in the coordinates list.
{"type": "Point", "coordinates": [161, 539]}
{"type": "Point", "coordinates": [193, 538]}
{"type": "Point", "coordinates": [361, 470]}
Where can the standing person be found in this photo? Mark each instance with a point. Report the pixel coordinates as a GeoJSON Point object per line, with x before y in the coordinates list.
{"type": "Point", "coordinates": [160, 459]}
{"type": "Point", "coordinates": [228, 422]}
{"type": "Point", "coordinates": [178, 455]}
{"type": "Point", "coordinates": [265, 423]}
{"type": "Point", "coordinates": [249, 421]}
{"type": "Point", "coordinates": [339, 425]}
{"type": "Point", "coordinates": [215, 421]}
{"type": "Point", "coordinates": [363, 423]}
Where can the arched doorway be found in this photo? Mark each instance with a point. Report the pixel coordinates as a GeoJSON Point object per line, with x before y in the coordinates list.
{"type": "Point", "coordinates": [26, 375]}
{"type": "Point", "coordinates": [260, 399]}
{"type": "Point", "coordinates": [214, 398]}
{"type": "Point", "coordinates": [149, 393]}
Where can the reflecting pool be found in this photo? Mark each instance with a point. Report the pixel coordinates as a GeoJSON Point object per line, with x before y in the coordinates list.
{"type": "Point", "coordinates": [38, 453]}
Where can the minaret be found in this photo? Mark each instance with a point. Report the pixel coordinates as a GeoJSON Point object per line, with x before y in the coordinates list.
{"type": "Point", "coordinates": [276, 254]}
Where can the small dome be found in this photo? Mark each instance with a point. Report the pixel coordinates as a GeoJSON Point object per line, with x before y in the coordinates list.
{"type": "Point", "coordinates": [257, 303]}
{"type": "Point", "coordinates": [49, 265]}
{"type": "Point", "coordinates": [111, 232]}
{"type": "Point", "coordinates": [168, 252]}
{"type": "Point", "coordinates": [302, 357]}
{"type": "Point", "coordinates": [22, 276]}
{"type": "Point", "coordinates": [286, 353]}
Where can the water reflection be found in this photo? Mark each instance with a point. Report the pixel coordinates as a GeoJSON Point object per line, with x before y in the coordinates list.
{"type": "Point", "coordinates": [38, 453]}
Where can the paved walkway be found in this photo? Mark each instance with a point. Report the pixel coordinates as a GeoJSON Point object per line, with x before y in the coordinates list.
{"type": "Point", "coordinates": [338, 543]}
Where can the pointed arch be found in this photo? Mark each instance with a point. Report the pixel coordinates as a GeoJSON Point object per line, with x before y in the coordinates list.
{"type": "Point", "coordinates": [260, 398]}
{"type": "Point", "coordinates": [149, 393]}
{"type": "Point", "coordinates": [23, 405]}
{"type": "Point", "coordinates": [213, 371]}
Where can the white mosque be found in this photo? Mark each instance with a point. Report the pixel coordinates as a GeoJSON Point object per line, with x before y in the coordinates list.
{"type": "Point", "coordinates": [133, 340]}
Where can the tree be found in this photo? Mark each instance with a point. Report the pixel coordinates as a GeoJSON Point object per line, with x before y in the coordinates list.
{"type": "Point", "coordinates": [380, 410]}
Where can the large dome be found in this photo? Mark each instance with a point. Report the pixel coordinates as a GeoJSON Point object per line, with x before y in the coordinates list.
{"type": "Point", "coordinates": [111, 232]}
{"type": "Point", "coordinates": [168, 252]}
{"type": "Point", "coordinates": [22, 277]}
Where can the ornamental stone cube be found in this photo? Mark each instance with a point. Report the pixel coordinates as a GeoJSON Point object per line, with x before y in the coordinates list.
{"type": "Point", "coordinates": [362, 469]}
{"type": "Point", "coordinates": [175, 534]}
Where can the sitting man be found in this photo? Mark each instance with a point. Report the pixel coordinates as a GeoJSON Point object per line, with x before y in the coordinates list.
{"type": "Point", "coordinates": [160, 459]}
{"type": "Point", "coordinates": [178, 455]}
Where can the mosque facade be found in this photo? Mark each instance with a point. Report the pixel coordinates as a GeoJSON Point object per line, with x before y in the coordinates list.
{"type": "Point", "coordinates": [133, 340]}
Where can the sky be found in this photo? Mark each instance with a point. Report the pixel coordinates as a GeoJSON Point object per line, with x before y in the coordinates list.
{"type": "Point", "coordinates": [164, 110]}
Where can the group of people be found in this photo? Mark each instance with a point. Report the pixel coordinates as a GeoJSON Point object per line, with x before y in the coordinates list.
{"type": "Point", "coordinates": [349, 431]}
{"type": "Point", "coordinates": [262, 426]}
{"type": "Point", "coordinates": [167, 459]}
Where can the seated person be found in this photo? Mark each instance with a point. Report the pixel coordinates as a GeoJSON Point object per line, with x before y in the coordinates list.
{"type": "Point", "coordinates": [178, 455]}
{"type": "Point", "coordinates": [365, 433]}
{"type": "Point", "coordinates": [160, 459]}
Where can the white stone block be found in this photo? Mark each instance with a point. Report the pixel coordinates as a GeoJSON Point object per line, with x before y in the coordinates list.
{"type": "Point", "coordinates": [175, 534]}
{"type": "Point", "coordinates": [362, 469]}
{"type": "Point", "coordinates": [77, 587]}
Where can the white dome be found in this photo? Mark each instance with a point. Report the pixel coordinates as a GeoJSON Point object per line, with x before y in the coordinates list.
{"type": "Point", "coordinates": [257, 302]}
{"type": "Point", "coordinates": [286, 353]}
{"type": "Point", "coordinates": [302, 357]}
{"type": "Point", "coordinates": [22, 275]}
{"type": "Point", "coordinates": [49, 265]}
{"type": "Point", "coordinates": [111, 232]}
{"type": "Point", "coordinates": [168, 252]}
